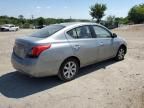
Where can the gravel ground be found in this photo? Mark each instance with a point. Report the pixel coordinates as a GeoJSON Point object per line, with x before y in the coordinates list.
{"type": "Point", "coordinates": [108, 84]}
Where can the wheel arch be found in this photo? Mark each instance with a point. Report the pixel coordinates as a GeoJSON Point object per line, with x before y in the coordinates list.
{"type": "Point", "coordinates": [123, 46]}
{"type": "Point", "coordinates": [59, 73]}
{"type": "Point", "coordinates": [71, 57]}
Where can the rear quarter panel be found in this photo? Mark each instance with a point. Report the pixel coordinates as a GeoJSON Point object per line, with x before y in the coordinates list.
{"type": "Point", "coordinates": [51, 59]}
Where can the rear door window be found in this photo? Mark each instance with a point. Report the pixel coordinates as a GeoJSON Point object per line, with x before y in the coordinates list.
{"type": "Point", "coordinates": [72, 33]}
{"type": "Point", "coordinates": [80, 32]}
{"type": "Point", "coordinates": [83, 32]}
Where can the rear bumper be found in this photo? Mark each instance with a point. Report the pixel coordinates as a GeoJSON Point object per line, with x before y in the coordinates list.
{"type": "Point", "coordinates": [33, 67]}
{"type": "Point", "coordinates": [24, 66]}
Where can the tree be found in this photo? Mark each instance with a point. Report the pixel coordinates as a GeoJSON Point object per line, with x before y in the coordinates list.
{"type": "Point", "coordinates": [136, 14]}
{"type": "Point", "coordinates": [121, 20]}
{"type": "Point", "coordinates": [21, 17]}
{"type": "Point", "coordinates": [40, 21]}
{"type": "Point", "coordinates": [26, 25]}
{"type": "Point", "coordinates": [97, 11]}
{"type": "Point", "coordinates": [111, 22]}
{"type": "Point", "coordinates": [22, 21]}
{"type": "Point", "coordinates": [110, 19]}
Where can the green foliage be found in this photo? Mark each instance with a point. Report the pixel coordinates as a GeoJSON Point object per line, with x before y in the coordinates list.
{"type": "Point", "coordinates": [111, 22]}
{"type": "Point", "coordinates": [136, 14]}
{"type": "Point", "coordinates": [122, 20]}
{"type": "Point", "coordinates": [97, 11]}
{"type": "Point", "coordinates": [27, 23]}
{"type": "Point", "coordinates": [21, 17]}
{"type": "Point", "coordinates": [110, 19]}
{"type": "Point", "coordinates": [40, 21]}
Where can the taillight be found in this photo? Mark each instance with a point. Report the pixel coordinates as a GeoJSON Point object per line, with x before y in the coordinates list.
{"type": "Point", "coordinates": [37, 50]}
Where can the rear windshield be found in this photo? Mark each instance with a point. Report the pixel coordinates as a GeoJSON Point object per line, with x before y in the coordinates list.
{"type": "Point", "coordinates": [47, 31]}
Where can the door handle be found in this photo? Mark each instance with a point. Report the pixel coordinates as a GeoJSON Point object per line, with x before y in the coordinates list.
{"type": "Point", "coordinates": [76, 47]}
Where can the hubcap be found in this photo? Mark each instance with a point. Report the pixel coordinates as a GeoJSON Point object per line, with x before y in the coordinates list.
{"type": "Point", "coordinates": [121, 54]}
{"type": "Point", "coordinates": [70, 69]}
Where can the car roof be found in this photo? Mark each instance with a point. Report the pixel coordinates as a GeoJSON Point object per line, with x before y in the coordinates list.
{"type": "Point", "coordinates": [8, 24]}
{"type": "Point", "coordinates": [77, 23]}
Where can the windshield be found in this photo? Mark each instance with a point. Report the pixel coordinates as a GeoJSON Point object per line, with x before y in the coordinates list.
{"type": "Point", "coordinates": [6, 25]}
{"type": "Point", "coordinates": [47, 31]}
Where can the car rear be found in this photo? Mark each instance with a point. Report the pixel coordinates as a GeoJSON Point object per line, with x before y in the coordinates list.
{"type": "Point", "coordinates": [34, 55]}
{"type": "Point", "coordinates": [21, 58]}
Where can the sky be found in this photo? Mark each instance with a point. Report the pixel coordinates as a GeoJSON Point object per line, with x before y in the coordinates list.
{"type": "Point", "coordinates": [78, 9]}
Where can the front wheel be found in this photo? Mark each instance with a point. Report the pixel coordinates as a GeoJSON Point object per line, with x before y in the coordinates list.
{"type": "Point", "coordinates": [121, 54]}
{"type": "Point", "coordinates": [68, 70]}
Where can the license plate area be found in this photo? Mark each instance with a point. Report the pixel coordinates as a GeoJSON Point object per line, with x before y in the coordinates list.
{"type": "Point", "coordinates": [19, 51]}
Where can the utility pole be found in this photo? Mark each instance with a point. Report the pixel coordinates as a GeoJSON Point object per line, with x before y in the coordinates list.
{"type": "Point", "coordinates": [70, 18]}
{"type": "Point", "coordinates": [32, 18]}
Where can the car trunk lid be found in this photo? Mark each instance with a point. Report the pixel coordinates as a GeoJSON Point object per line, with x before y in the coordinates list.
{"type": "Point", "coordinates": [24, 45]}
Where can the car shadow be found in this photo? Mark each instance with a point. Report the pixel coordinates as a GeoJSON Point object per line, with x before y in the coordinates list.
{"type": "Point", "coordinates": [15, 85]}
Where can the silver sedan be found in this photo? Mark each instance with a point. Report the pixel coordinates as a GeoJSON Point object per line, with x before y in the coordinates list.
{"type": "Point", "coordinates": [61, 49]}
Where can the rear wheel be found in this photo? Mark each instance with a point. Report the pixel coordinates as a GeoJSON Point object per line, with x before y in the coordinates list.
{"type": "Point", "coordinates": [16, 29]}
{"type": "Point", "coordinates": [68, 70]}
{"type": "Point", "coordinates": [121, 54]}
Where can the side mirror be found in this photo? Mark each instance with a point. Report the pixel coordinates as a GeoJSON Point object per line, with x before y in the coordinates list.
{"type": "Point", "coordinates": [114, 35]}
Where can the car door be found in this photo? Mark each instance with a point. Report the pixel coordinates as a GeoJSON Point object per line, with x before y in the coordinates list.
{"type": "Point", "coordinates": [11, 28]}
{"type": "Point", "coordinates": [83, 44]}
{"type": "Point", "coordinates": [105, 42]}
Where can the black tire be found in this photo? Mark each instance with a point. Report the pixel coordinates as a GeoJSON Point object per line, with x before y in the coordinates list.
{"type": "Point", "coordinates": [16, 29]}
{"type": "Point", "coordinates": [121, 53]}
{"type": "Point", "coordinates": [64, 69]}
